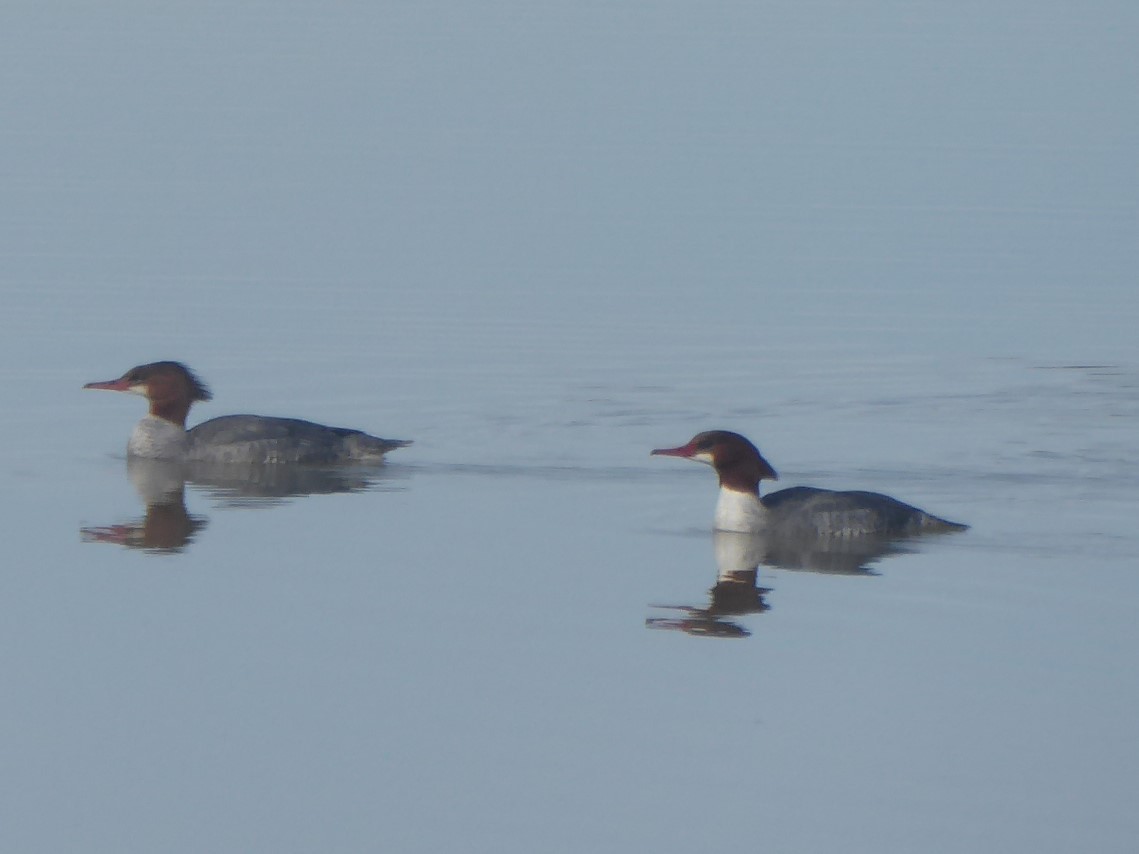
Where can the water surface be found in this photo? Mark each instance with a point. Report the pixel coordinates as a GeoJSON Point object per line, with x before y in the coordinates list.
{"type": "Point", "coordinates": [890, 243]}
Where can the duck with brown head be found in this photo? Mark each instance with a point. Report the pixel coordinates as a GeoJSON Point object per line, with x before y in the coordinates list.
{"type": "Point", "coordinates": [172, 388]}
{"type": "Point", "coordinates": [800, 510]}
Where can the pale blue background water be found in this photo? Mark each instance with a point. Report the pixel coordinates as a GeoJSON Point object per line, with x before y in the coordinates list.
{"type": "Point", "coordinates": [892, 242]}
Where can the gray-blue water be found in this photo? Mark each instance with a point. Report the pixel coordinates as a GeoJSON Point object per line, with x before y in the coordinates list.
{"type": "Point", "coordinates": [893, 243]}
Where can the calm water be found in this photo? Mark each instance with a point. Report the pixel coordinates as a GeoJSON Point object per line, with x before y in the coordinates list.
{"type": "Point", "coordinates": [893, 243]}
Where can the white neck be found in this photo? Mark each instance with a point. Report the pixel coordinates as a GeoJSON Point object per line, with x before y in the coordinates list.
{"type": "Point", "coordinates": [739, 511]}
{"type": "Point", "coordinates": [157, 439]}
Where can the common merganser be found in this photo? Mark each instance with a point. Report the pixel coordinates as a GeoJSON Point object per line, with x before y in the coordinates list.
{"type": "Point", "coordinates": [800, 510]}
{"type": "Point", "coordinates": [172, 389]}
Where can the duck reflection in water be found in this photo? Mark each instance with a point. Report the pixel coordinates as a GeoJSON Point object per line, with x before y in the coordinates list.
{"type": "Point", "coordinates": [168, 526]}
{"type": "Point", "coordinates": [736, 592]}
{"type": "Point", "coordinates": [738, 557]}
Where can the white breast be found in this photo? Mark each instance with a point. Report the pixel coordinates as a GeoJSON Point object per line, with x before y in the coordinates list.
{"type": "Point", "coordinates": [157, 439]}
{"type": "Point", "coordinates": [739, 511]}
